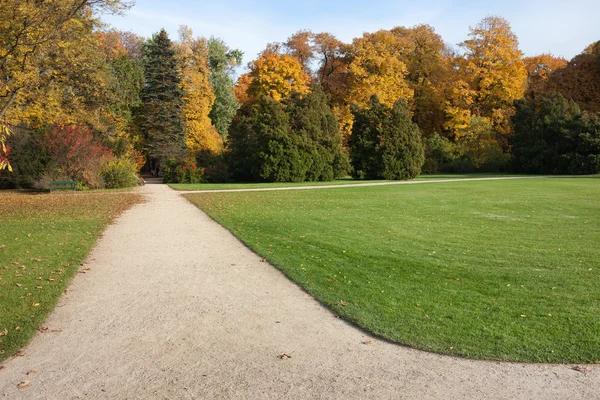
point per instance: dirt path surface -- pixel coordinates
(174, 307)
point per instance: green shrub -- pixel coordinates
(119, 173)
(385, 143)
(181, 171)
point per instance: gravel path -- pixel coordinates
(174, 307)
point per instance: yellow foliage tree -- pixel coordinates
(376, 68)
(31, 32)
(199, 96)
(493, 67)
(277, 75)
(429, 65)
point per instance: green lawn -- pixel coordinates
(43, 240)
(345, 181)
(505, 270)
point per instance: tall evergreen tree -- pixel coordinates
(385, 143)
(221, 59)
(313, 121)
(162, 117)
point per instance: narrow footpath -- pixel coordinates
(174, 307)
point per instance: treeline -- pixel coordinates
(94, 105)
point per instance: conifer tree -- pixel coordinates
(162, 117)
(385, 143)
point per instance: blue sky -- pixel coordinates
(560, 27)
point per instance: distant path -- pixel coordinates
(174, 307)
(411, 182)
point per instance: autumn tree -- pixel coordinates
(385, 143)
(198, 93)
(276, 75)
(300, 47)
(428, 63)
(162, 120)
(580, 79)
(376, 69)
(222, 60)
(490, 77)
(539, 70)
(31, 31)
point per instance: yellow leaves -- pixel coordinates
(199, 94)
(376, 69)
(278, 76)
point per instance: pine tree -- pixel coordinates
(162, 117)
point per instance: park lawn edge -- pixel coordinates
(339, 311)
(70, 270)
(336, 182)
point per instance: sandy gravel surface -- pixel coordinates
(174, 307)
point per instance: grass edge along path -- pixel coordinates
(501, 270)
(43, 241)
(346, 182)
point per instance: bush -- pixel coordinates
(213, 166)
(182, 171)
(439, 153)
(120, 173)
(76, 155)
(385, 143)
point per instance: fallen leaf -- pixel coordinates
(343, 303)
(33, 371)
(523, 316)
(23, 384)
(56, 330)
(285, 356)
(2, 366)
(20, 353)
(368, 342)
(4, 332)
(19, 284)
(43, 329)
(2, 246)
(583, 370)
(35, 304)
(263, 260)
(2, 352)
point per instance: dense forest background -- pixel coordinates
(84, 102)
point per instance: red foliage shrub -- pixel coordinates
(75, 154)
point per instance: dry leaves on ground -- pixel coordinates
(23, 384)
